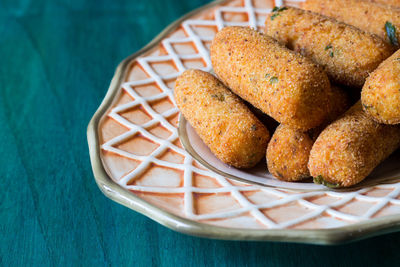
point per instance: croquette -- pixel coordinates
(289, 149)
(221, 119)
(349, 149)
(283, 84)
(382, 20)
(380, 95)
(287, 153)
(346, 53)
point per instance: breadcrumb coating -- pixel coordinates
(380, 95)
(393, 3)
(285, 85)
(366, 15)
(221, 119)
(348, 150)
(346, 53)
(289, 149)
(287, 153)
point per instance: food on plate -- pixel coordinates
(293, 88)
(380, 95)
(287, 153)
(285, 85)
(347, 54)
(349, 149)
(382, 20)
(221, 119)
(289, 149)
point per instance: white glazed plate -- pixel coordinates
(139, 161)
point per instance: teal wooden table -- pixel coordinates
(57, 59)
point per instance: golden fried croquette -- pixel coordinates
(287, 153)
(382, 20)
(283, 84)
(221, 119)
(380, 95)
(289, 149)
(346, 53)
(350, 148)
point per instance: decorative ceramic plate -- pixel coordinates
(139, 161)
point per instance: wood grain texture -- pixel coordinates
(57, 59)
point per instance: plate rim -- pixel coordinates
(112, 190)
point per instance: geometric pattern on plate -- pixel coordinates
(141, 150)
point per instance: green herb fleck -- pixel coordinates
(253, 127)
(273, 80)
(329, 46)
(320, 180)
(267, 75)
(367, 106)
(277, 11)
(391, 33)
(220, 97)
(274, 16)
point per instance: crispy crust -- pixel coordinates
(351, 147)
(289, 149)
(287, 153)
(283, 84)
(368, 16)
(380, 95)
(221, 119)
(346, 53)
(393, 3)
